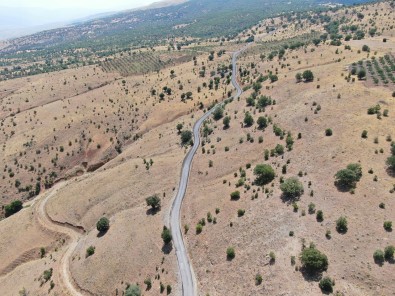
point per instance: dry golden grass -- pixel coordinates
(98, 111)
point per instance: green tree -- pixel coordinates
(103, 224)
(226, 121)
(313, 260)
(361, 74)
(248, 119)
(378, 256)
(341, 224)
(298, 77)
(348, 177)
(218, 113)
(292, 187)
(235, 195)
(389, 252)
(90, 251)
(13, 208)
(153, 201)
(264, 174)
(133, 290)
(166, 235)
(262, 122)
(391, 163)
(308, 75)
(326, 284)
(179, 127)
(186, 137)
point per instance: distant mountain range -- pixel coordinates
(166, 19)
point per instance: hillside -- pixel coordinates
(299, 163)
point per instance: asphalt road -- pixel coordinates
(185, 268)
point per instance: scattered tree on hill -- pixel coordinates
(103, 224)
(248, 120)
(292, 187)
(378, 256)
(361, 74)
(391, 163)
(218, 113)
(389, 252)
(262, 122)
(90, 251)
(179, 127)
(308, 75)
(298, 77)
(226, 121)
(133, 290)
(186, 137)
(313, 260)
(264, 174)
(347, 178)
(341, 225)
(166, 235)
(153, 201)
(326, 284)
(235, 195)
(13, 208)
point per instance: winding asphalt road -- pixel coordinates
(185, 268)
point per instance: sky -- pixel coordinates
(22, 17)
(94, 5)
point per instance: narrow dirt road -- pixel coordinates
(74, 234)
(188, 280)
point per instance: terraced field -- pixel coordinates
(147, 62)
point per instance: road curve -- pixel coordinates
(73, 234)
(188, 281)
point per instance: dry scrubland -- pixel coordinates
(86, 138)
(268, 219)
(54, 131)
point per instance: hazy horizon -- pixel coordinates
(21, 17)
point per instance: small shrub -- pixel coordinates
(320, 216)
(388, 225)
(272, 257)
(378, 256)
(90, 251)
(133, 290)
(326, 284)
(166, 235)
(235, 195)
(311, 208)
(230, 253)
(328, 132)
(389, 252)
(153, 201)
(199, 228)
(341, 225)
(258, 279)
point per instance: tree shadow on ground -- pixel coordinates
(342, 187)
(390, 172)
(167, 248)
(101, 233)
(311, 276)
(152, 211)
(289, 199)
